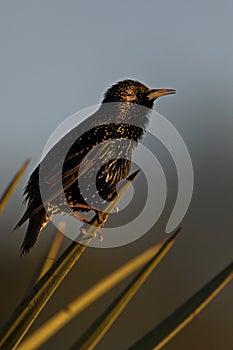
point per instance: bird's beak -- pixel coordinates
(155, 93)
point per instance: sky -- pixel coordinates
(58, 57)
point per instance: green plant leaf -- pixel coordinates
(25, 314)
(66, 314)
(53, 250)
(99, 328)
(12, 185)
(158, 337)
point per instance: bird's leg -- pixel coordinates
(81, 206)
(99, 217)
(102, 217)
(116, 209)
(88, 207)
(80, 217)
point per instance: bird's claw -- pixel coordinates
(101, 217)
(98, 232)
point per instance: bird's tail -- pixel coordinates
(36, 223)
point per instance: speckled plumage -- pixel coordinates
(110, 160)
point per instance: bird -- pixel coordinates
(99, 157)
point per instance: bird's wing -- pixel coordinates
(77, 166)
(74, 162)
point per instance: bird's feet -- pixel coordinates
(101, 217)
(98, 232)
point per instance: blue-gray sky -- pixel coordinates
(58, 57)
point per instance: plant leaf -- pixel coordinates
(158, 337)
(53, 251)
(12, 185)
(25, 314)
(99, 328)
(66, 314)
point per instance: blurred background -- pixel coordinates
(58, 57)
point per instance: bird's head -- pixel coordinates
(133, 91)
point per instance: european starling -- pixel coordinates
(95, 158)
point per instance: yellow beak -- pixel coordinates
(155, 93)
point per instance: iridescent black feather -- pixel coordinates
(107, 139)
